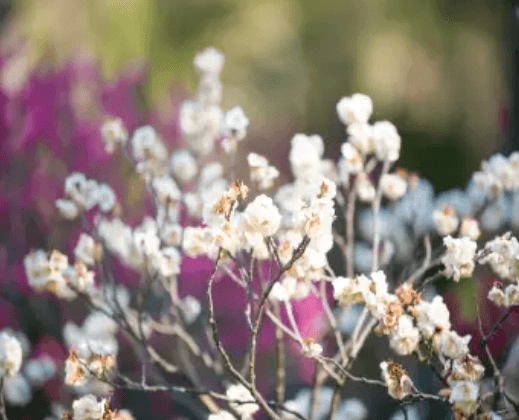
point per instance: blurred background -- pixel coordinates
(441, 70)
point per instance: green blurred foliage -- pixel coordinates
(437, 69)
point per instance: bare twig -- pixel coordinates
(3, 413)
(280, 360)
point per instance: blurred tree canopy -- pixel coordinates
(438, 69)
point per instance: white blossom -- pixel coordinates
(105, 198)
(239, 393)
(452, 345)
(399, 384)
(305, 156)
(117, 236)
(166, 190)
(352, 162)
(82, 191)
(432, 316)
(311, 349)
(445, 220)
(210, 89)
(502, 253)
(386, 141)
(191, 309)
(236, 123)
(497, 296)
(114, 133)
(393, 186)
(355, 109)
(261, 172)
(364, 188)
(209, 61)
(88, 408)
(197, 241)
(361, 137)
(143, 141)
(10, 355)
(262, 216)
(183, 165)
(406, 336)
(459, 257)
(168, 261)
(464, 396)
(85, 249)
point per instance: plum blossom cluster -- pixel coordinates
(83, 194)
(274, 248)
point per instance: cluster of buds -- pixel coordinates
(78, 370)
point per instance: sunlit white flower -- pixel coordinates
(37, 268)
(262, 216)
(355, 109)
(502, 253)
(114, 133)
(432, 316)
(393, 186)
(459, 257)
(445, 220)
(364, 187)
(143, 141)
(209, 61)
(466, 369)
(386, 141)
(406, 336)
(117, 236)
(105, 197)
(82, 191)
(88, 408)
(352, 162)
(210, 89)
(452, 345)
(76, 373)
(197, 241)
(236, 123)
(305, 156)
(261, 172)
(360, 135)
(168, 262)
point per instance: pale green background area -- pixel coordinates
(437, 69)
